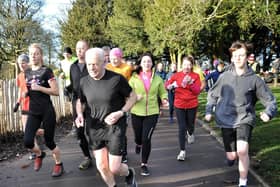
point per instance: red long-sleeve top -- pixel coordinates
(185, 97)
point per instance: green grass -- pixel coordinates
(265, 143)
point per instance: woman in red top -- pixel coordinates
(23, 99)
(187, 88)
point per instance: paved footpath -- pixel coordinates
(204, 166)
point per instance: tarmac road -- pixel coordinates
(204, 166)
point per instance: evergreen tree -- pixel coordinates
(126, 26)
(86, 20)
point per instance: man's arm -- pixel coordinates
(80, 118)
(130, 101)
(113, 117)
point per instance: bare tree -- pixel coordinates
(18, 28)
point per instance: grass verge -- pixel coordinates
(265, 143)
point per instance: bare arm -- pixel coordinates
(79, 107)
(80, 118)
(130, 101)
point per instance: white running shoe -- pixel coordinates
(190, 138)
(181, 156)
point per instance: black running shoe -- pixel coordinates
(145, 170)
(131, 179)
(124, 159)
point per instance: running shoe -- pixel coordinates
(190, 138)
(171, 120)
(58, 170)
(131, 179)
(85, 164)
(38, 161)
(124, 159)
(32, 156)
(145, 170)
(181, 156)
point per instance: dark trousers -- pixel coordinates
(186, 121)
(171, 95)
(81, 136)
(143, 127)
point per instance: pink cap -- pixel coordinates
(251, 57)
(116, 52)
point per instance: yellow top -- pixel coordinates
(198, 70)
(123, 69)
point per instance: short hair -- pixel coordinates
(38, 46)
(106, 48)
(240, 44)
(83, 41)
(95, 52)
(23, 57)
(68, 50)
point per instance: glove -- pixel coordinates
(67, 93)
(16, 107)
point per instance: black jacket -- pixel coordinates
(75, 76)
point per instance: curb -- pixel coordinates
(219, 139)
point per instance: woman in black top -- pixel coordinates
(41, 84)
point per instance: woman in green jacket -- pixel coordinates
(144, 114)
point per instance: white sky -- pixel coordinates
(53, 10)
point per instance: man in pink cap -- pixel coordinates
(117, 65)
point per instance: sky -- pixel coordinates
(53, 10)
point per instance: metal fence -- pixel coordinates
(11, 122)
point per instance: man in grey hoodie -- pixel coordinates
(234, 97)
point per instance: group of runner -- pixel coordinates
(104, 93)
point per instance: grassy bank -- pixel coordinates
(265, 143)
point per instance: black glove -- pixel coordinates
(16, 107)
(68, 93)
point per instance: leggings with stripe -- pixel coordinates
(143, 127)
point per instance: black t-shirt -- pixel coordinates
(39, 101)
(105, 95)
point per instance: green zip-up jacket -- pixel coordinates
(148, 105)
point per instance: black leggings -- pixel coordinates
(143, 127)
(171, 102)
(48, 120)
(82, 139)
(186, 120)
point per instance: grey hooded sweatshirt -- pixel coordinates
(234, 98)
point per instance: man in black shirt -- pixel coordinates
(77, 71)
(109, 97)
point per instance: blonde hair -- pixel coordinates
(36, 45)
